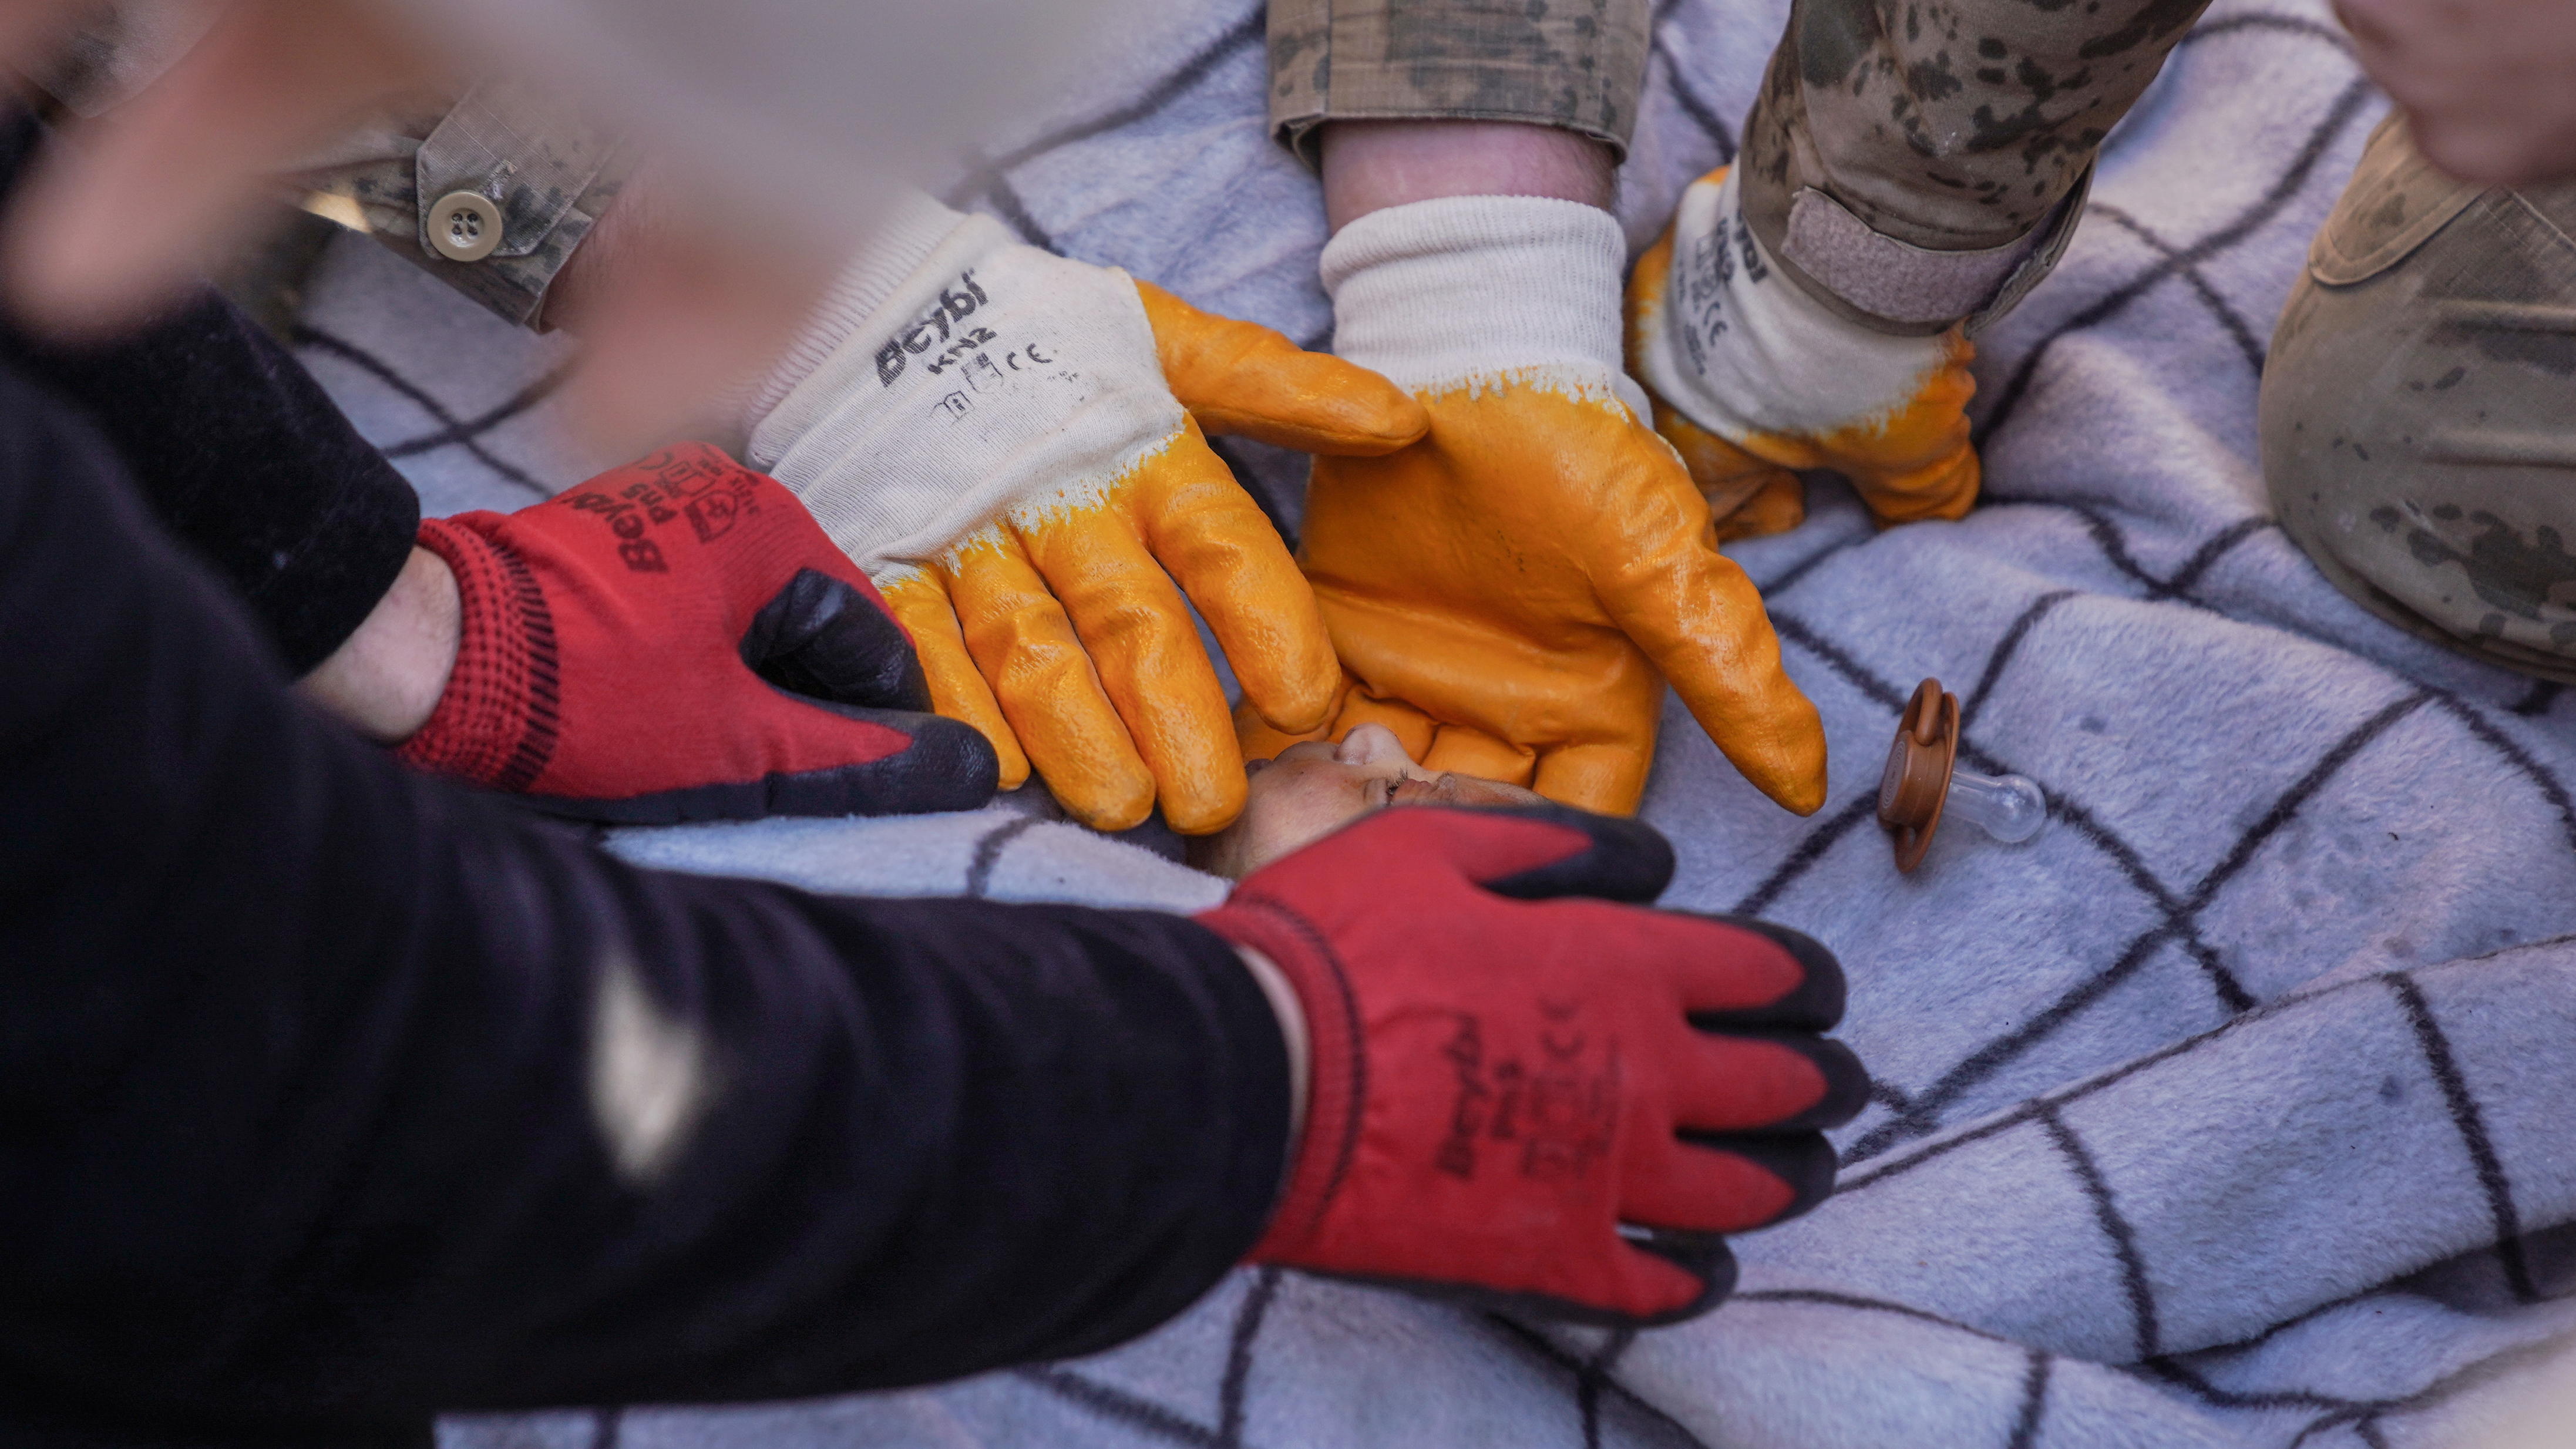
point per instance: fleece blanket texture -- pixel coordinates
(2232, 1110)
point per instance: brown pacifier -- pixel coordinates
(1924, 783)
(1919, 764)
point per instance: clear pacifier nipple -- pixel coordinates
(1923, 781)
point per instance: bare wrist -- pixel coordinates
(1292, 1035)
(1372, 165)
(386, 678)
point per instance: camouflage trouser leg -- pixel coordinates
(1915, 162)
(2419, 408)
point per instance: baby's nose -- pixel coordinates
(1371, 744)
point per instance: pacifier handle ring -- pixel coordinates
(1919, 765)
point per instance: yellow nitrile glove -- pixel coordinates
(1751, 378)
(1010, 444)
(1510, 594)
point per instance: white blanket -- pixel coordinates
(2231, 1110)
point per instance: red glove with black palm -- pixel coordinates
(678, 640)
(1527, 1095)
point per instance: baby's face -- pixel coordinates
(1313, 789)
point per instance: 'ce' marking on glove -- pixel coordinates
(1035, 356)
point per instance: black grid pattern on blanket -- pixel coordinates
(468, 434)
(464, 423)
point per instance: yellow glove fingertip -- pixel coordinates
(1726, 475)
(1793, 775)
(1774, 737)
(1108, 811)
(1370, 418)
(1006, 745)
(1243, 378)
(957, 687)
(1089, 764)
(1259, 739)
(1776, 507)
(1208, 811)
(1920, 462)
(1946, 490)
(1776, 740)
(1606, 778)
(1298, 699)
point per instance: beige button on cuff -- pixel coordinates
(464, 226)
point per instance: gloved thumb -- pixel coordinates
(830, 639)
(1731, 679)
(1525, 852)
(1702, 623)
(832, 643)
(1621, 860)
(1239, 377)
(1669, 1277)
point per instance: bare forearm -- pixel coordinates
(1372, 165)
(386, 678)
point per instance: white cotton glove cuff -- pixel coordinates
(957, 381)
(901, 242)
(1740, 349)
(1469, 290)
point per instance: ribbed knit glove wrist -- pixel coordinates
(676, 640)
(1010, 443)
(1524, 1093)
(1510, 594)
(1753, 378)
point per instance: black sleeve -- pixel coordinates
(239, 453)
(331, 1096)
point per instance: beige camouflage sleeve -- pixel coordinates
(1935, 158)
(490, 196)
(1575, 64)
(490, 192)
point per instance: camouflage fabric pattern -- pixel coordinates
(552, 175)
(1575, 64)
(545, 220)
(1945, 126)
(1952, 126)
(2416, 430)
